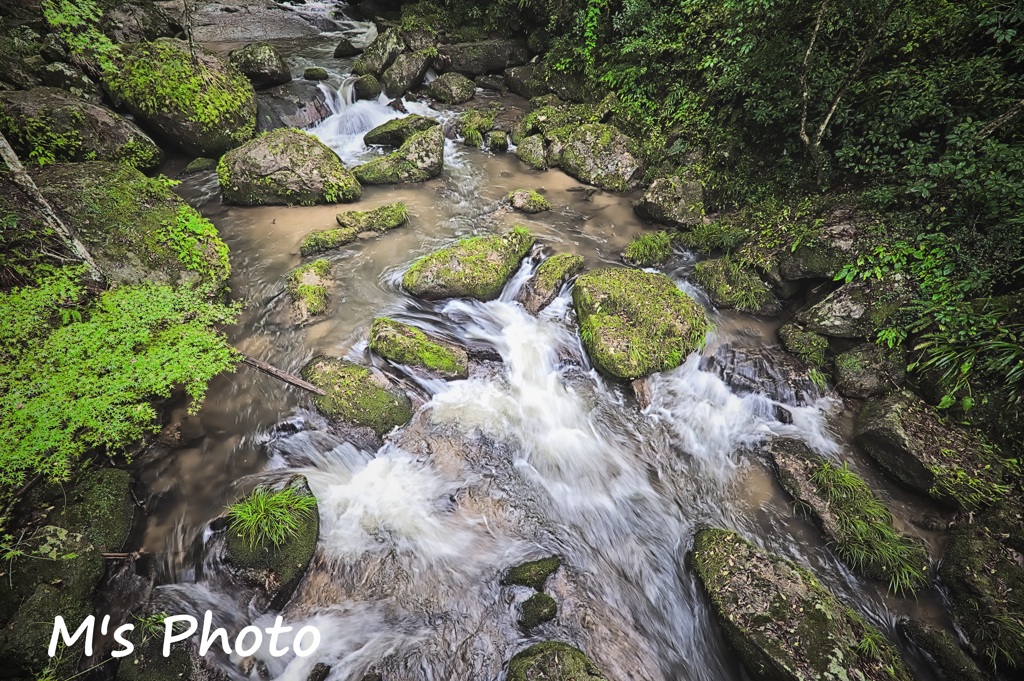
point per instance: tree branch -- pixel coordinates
(1007, 117)
(803, 73)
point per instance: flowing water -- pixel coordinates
(535, 454)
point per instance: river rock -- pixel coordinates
(476, 267)
(261, 64)
(307, 289)
(296, 104)
(367, 87)
(315, 73)
(357, 395)
(485, 56)
(45, 125)
(634, 323)
(732, 286)
(452, 88)
(246, 21)
(536, 610)
(548, 280)
(277, 569)
(531, 152)
(533, 574)
(285, 167)
(807, 345)
(203, 107)
(496, 141)
(353, 223)
(405, 73)
(552, 661)
(905, 436)
(854, 310)
(602, 156)
(346, 49)
(528, 201)
(71, 79)
(135, 227)
(946, 653)
(869, 369)
(135, 22)
(397, 131)
(782, 623)
(100, 506)
(527, 81)
(405, 344)
(672, 201)
(547, 118)
(821, 254)
(420, 158)
(379, 54)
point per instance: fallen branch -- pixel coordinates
(280, 375)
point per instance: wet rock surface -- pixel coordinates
(262, 65)
(602, 156)
(420, 158)
(357, 395)
(545, 284)
(672, 201)
(407, 345)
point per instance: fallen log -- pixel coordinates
(279, 374)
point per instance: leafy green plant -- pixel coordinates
(271, 517)
(193, 237)
(77, 22)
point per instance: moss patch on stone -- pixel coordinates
(405, 344)
(531, 152)
(647, 250)
(552, 661)
(536, 610)
(528, 201)
(731, 285)
(198, 165)
(100, 506)
(940, 646)
(545, 284)
(634, 323)
(353, 223)
(357, 396)
(869, 369)
(397, 131)
(420, 158)
(533, 574)
(807, 345)
(476, 267)
(315, 73)
(307, 288)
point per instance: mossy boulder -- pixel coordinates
(550, 117)
(262, 64)
(854, 310)
(356, 395)
(807, 345)
(811, 259)
(285, 167)
(101, 507)
(548, 280)
(528, 201)
(45, 125)
(346, 49)
(602, 156)
(147, 662)
(635, 323)
(316, 73)
(353, 223)
(380, 54)
(985, 581)
(869, 369)
(552, 661)
(951, 661)
(367, 87)
(307, 289)
(649, 249)
(496, 141)
(531, 152)
(199, 165)
(536, 610)
(527, 81)
(730, 285)
(672, 201)
(850, 515)
(398, 131)
(533, 574)
(780, 620)
(405, 344)
(452, 88)
(202, 107)
(484, 56)
(476, 267)
(909, 440)
(136, 228)
(417, 160)
(277, 569)
(406, 73)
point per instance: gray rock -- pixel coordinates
(602, 156)
(397, 131)
(298, 104)
(346, 49)
(135, 22)
(380, 54)
(527, 81)
(262, 65)
(531, 152)
(869, 369)
(549, 279)
(672, 201)
(452, 88)
(367, 87)
(245, 21)
(419, 158)
(72, 79)
(854, 310)
(405, 73)
(485, 56)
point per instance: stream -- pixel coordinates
(535, 454)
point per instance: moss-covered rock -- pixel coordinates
(533, 574)
(952, 662)
(648, 250)
(277, 569)
(147, 663)
(135, 21)
(100, 506)
(356, 395)
(203, 107)
(552, 661)
(531, 152)
(405, 344)
(380, 54)
(528, 201)
(367, 87)
(549, 117)
(672, 201)
(545, 284)
(419, 159)
(406, 73)
(782, 622)
(731, 285)
(635, 323)
(452, 88)
(261, 64)
(316, 73)
(45, 125)
(136, 228)
(199, 165)
(850, 515)
(282, 167)
(854, 310)
(496, 141)
(602, 156)
(869, 369)
(807, 345)
(484, 56)
(307, 288)
(527, 81)
(398, 131)
(352, 224)
(536, 610)
(476, 267)
(907, 438)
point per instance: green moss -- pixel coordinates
(531, 152)
(554, 271)
(315, 73)
(420, 158)
(536, 610)
(940, 646)
(198, 165)
(327, 239)
(552, 661)
(533, 574)
(404, 344)
(731, 285)
(356, 396)
(307, 287)
(646, 250)
(352, 224)
(197, 244)
(398, 131)
(475, 123)
(807, 345)
(528, 201)
(547, 118)
(100, 506)
(720, 235)
(497, 141)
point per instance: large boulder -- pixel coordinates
(527, 81)
(70, 78)
(548, 280)
(397, 131)
(807, 345)
(850, 515)
(485, 56)
(730, 285)
(672, 201)
(203, 106)
(407, 345)
(285, 166)
(602, 156)
(420, 158)
(367, 87)
(296, 104)
(823, 252)
(357, 396)
(245, 21)
(907, 438)
(353, 223)
(854, 310)
(380, 54)
(100, 506)
(476, 267)
(135, 21)
(261, 64)
(530, 151)
(528, 201)
(869, 369)
(452, 88)
(134, 226)
(634, 323)
(45, 125)
(783, 624)
(405, 73)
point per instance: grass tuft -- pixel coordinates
(270, 517)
